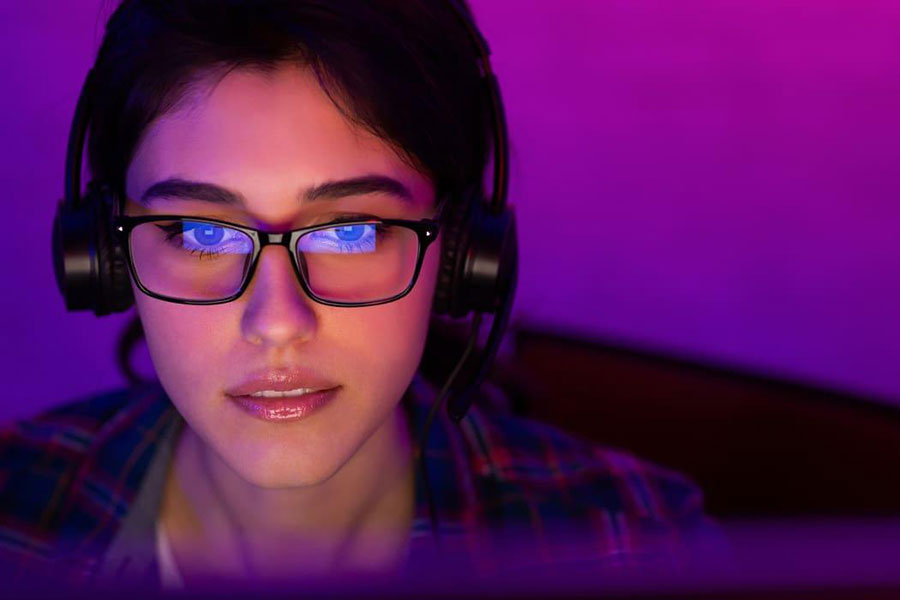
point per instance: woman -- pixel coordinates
(281, 441)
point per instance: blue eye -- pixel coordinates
(208, 234)
(359, 238)
(206, 239)
(350, 233)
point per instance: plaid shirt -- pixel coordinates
(508, 492)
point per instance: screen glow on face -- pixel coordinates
(268, 140)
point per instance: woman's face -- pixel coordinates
(267, 139)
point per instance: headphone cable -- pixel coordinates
(420, 465)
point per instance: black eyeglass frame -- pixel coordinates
(426, 231)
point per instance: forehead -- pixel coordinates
(268, 137)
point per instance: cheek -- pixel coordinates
(385, 342)
(185, 341)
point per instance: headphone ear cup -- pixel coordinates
(90, 265)
(490, 264)
(74, 257)
(479, 261)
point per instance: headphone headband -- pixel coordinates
(75, 146)
(497, 201)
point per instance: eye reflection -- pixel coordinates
(209, 234)
(358, 238)
(207, 239)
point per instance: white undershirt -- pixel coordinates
(169, 575)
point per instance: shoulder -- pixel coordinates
(564, 474)
(63, 435)
(52, 442)
(64, 465)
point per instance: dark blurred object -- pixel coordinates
(757, 446)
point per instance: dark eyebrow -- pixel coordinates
(330, 190)
(357, 186)
(190, 190)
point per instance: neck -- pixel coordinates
(358, 519)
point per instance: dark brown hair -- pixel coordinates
(403, 69)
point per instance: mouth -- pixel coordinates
(282, 406)
(283, 394)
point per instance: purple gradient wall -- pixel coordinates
(716, 179)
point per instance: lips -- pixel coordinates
(280, 380)
(283, 394)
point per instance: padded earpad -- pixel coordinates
(479, 260)
(74, 256)
(454, 241)
(490, 262)
(91, 268)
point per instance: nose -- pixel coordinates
(278, 312)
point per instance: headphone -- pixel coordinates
(479, 255)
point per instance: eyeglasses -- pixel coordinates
(193, 260)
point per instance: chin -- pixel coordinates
(277, 480)
(283, 474)
(273, 467)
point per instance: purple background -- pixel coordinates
(716, 179)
